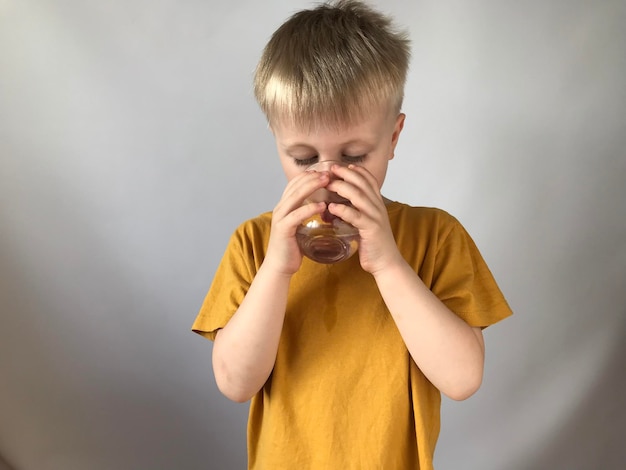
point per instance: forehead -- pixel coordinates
(320, 104)
(366, 129)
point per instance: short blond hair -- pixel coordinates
(332, 65)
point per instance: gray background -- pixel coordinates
(131, 147)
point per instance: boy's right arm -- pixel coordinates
(244, 351)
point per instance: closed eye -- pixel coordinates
(353, 159)
(345, 158)
(305, 161)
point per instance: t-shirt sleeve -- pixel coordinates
(463, 281)
(230, 284)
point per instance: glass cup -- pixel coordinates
(326, 238)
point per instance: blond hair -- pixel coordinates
(332, 65)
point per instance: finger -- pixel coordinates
(354, 171)
(289, 223)
(347, 213)
(358, 191)
(304, 181)
(364, 172)
(298, 189)
(359, 177)
(368, 221)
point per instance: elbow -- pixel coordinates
(239, 391)
(238, 380)
(238, 396)
(462, 393)
(465, 388)
(469, 376)
(230, 389)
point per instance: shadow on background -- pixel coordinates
(585, 436)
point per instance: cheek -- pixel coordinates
(381, 178)
(290, 171)
(379, 172)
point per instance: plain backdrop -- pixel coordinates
(131, 147)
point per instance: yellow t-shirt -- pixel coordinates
(344, 392)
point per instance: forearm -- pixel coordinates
(245, 349)
(447, 350)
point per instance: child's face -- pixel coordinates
(369, 143)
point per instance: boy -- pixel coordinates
(345, 363)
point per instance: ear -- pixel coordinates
(397, 128)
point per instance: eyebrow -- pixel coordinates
(292, 147)
(303, 146)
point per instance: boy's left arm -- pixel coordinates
(447, 350)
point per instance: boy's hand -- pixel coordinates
(283, 253)
(377, 248)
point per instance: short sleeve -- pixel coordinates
(463, 281)
(230, 284)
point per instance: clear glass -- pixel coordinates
(326, 238)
